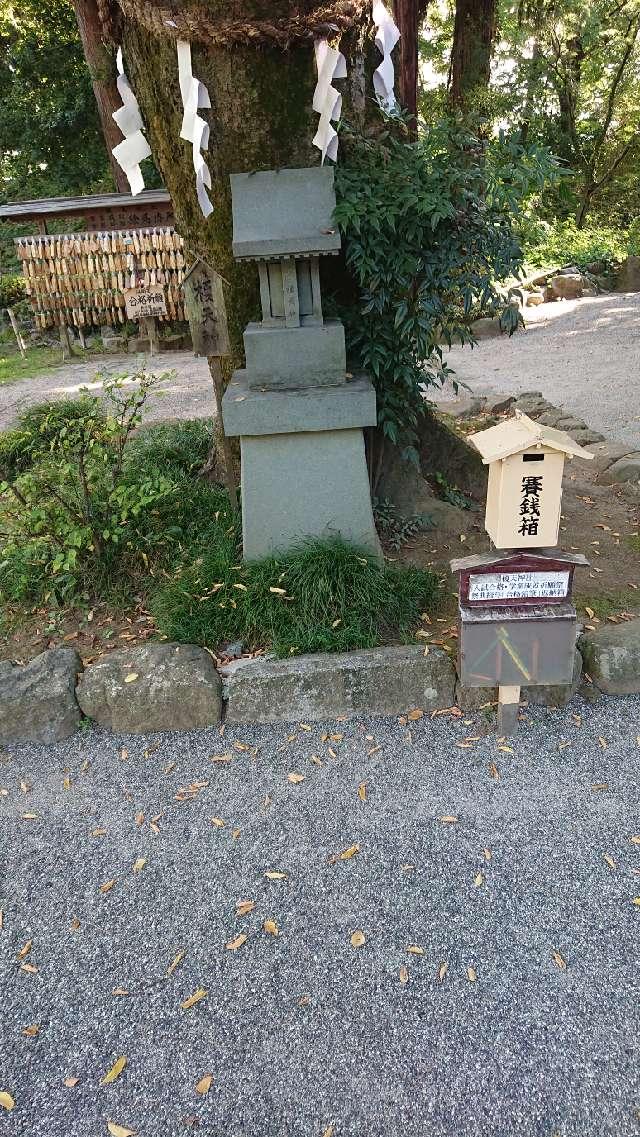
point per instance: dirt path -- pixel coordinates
(186, 392)
(584, 355)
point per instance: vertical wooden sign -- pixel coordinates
(207, 315)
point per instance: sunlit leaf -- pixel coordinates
(6, 1101)
(119, 1130)
(271, 927)
(115, 1071)
(139, 864)
(233, 945)
(204, 1085)
(195, 998)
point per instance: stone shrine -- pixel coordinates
(299, 416)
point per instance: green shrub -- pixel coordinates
(13, 288)
(322, 596)
(182, 446)
(84, 507)
(564, 244)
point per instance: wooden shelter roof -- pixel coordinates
(70, 206)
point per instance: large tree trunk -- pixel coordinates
(261, 117)
(101, 68)
(473, 34)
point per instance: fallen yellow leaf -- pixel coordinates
(635, 840)
(220, 757)
(472, 974)
(119, 991)
(478, 879)
(636, 900)
(603, 742)
(295, 778)
(404, 974)
(108, 885)
(415, 949)
(139, 864)
(25, 950)
(487, 854)
(195, 998)
(357, 939)
(271, 927)
(610, 861)
(115, 1071)
(362, 791)
(74, 925)
(506, 749)
(218, 822)
(119, 1130)
(329, 1131)
(31, 1031)
(415, 715)
(204, 1085)
(448, 820)
(493, 770)
(273, 875)
(6, 1101)
(350, 852)
(244, 907)
(177, 959)
(559, 961)
(131, 677)
(29, 967)
(590, 612)
(279, 591)
(233, 945)
(442, 971)
(70, 1082)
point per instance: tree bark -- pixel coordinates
(261, 118)
(473, 35)
(103, 81)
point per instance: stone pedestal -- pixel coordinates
(304, 471)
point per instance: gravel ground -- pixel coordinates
(304, 1032)
(584, 355)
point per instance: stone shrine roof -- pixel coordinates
(284, 213)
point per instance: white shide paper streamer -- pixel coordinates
(194, 129)
(131, 152)
(387, 36)
(327, 101)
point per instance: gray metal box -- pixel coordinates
(280, 358)
(280, 213)
(528, 646)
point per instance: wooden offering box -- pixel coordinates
(524, 494)
(517, 623)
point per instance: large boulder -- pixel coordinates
(152, 687)
(628, 275)
(626, 469)
(380, 681)
(37, 701)
(567, 285)
(611, 657)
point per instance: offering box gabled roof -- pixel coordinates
(521, 433)
(284, 213)
(502, 558)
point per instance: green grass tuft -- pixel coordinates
(322, 596)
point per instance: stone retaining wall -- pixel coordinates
(164, 687)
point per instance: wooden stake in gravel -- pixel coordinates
(215, 368)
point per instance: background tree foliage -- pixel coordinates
(50, 139)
